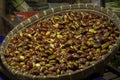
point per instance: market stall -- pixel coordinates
(77, 51)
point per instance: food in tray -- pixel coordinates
(61, 43)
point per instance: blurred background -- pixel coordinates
(12, 12)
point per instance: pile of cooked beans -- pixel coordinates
(62, 43)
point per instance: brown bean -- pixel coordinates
(82, 60)
(61, 43)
